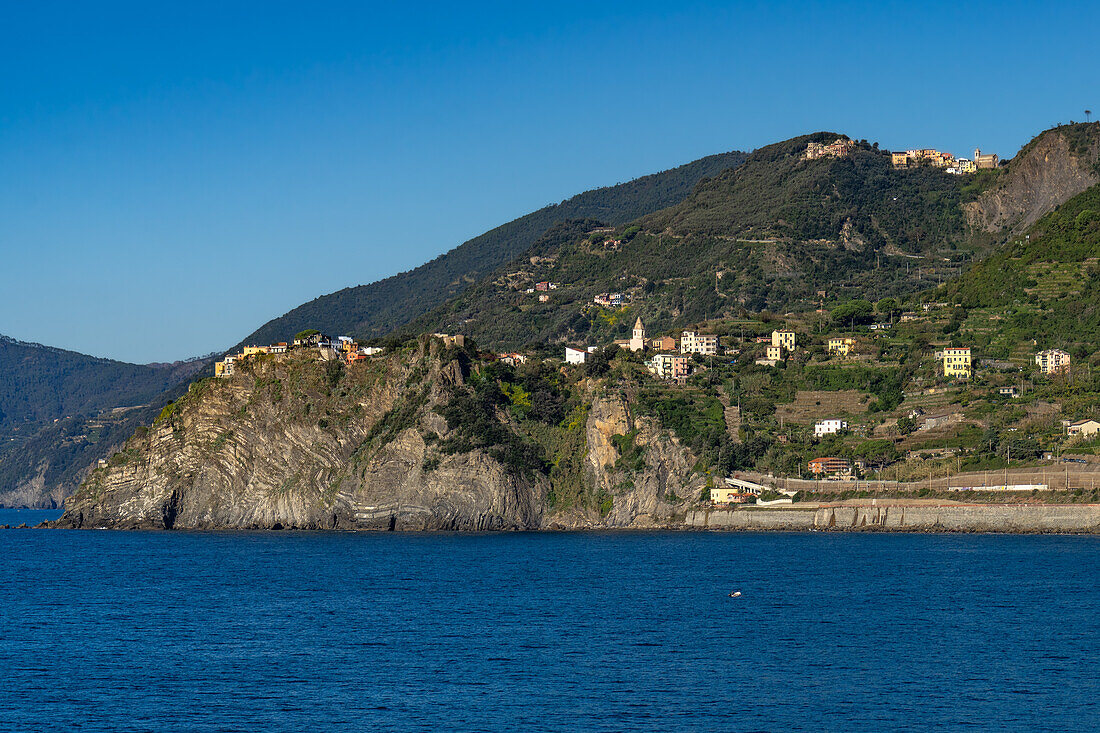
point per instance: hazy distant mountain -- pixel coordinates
(60, 410)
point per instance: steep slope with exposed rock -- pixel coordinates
(1051, 169)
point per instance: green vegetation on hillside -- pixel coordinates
(1047, 280)
(770, 234)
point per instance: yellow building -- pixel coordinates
(956, 362)
(775, 353)
(841, 346)
(225, 368)
(784, 339)
(900, 160)
(729, 495)
(254, 350)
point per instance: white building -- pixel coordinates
(575, 356)
(668, 366)
(829, 427)
(693, 342)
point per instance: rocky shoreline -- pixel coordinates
(896, 517)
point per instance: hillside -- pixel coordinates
(772, 235)
(380, 307)
(1045, 281)
(767, 235)
(60, 410)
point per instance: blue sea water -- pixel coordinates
(179, 631)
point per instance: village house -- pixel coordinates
(575, 356)
(829, 465)
(544, 298)
(609, 300)
(1083, 428)
(729, 495)
(663, 343)
(544, 285)
(841, 346)
(956, 362)
(669, 366)
(458, 339)
(1053, 361)
(1008, 392)
(839, 148)
(254, 351)
(774, 353)
(315, 339)
(784, 339)
(225, 367)
(829, 427)
(962, 166)
(371, 350)
(693, 342)
(513, 358)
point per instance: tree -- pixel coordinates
(887, 307)
(876, 452)
(852, 312)
(906, 424)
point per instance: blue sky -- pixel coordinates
(174, 175)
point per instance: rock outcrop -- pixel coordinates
(1053, 168)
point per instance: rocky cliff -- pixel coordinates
(299, 441)
(1051, 169)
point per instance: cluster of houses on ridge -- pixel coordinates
(843, 147)
(342, 347)
(956, 361)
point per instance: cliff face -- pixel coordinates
(293, 442)
(1053, 168)
(296, 442)
(658, 489)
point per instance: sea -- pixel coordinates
(585, 631)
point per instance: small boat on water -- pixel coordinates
(735, 594)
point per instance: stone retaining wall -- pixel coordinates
(927, 518)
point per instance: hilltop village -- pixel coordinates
(843, 147)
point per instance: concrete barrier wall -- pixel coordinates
(930, 518)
